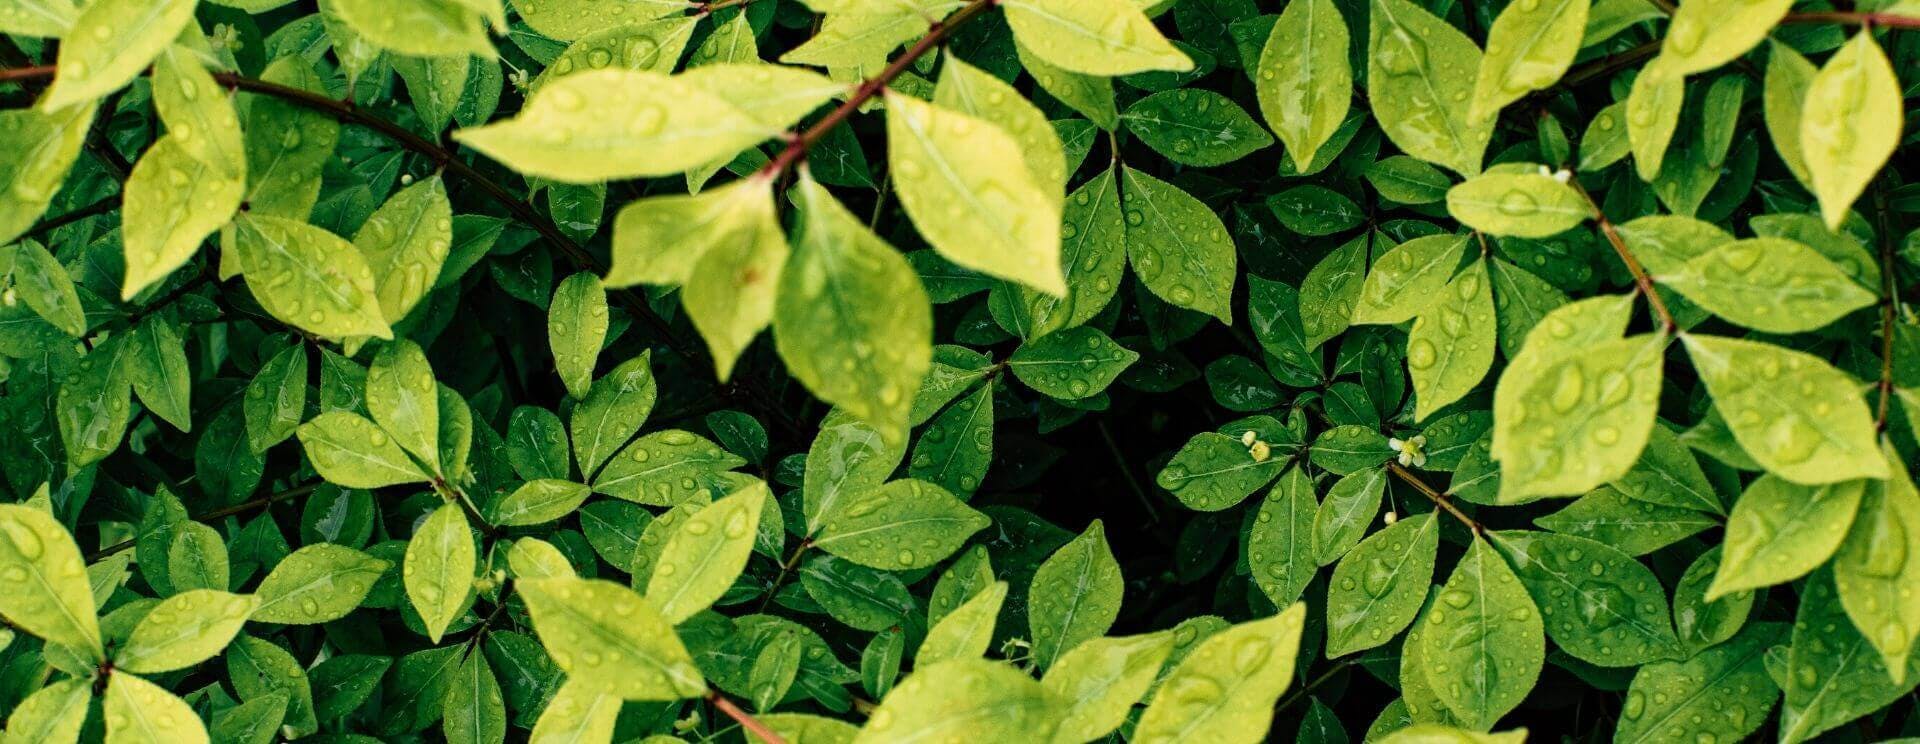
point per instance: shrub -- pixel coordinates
(1190, 370)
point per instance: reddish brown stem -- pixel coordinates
(1884, 20)
(1439, 499)
(797, 146)
(745, 719)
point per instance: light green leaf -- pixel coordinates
(667, 468)
(39, 280)
(1075, 595)
(567, 20)
(39, 148)
(110, 44)
(173, 202)
(965, 632)
(1341, 520)
(1377, 589)
(435, 84)
(404, 401)
(45, 18)
(440, 565)
(1780, 530)
(1333, 290)
(662, 239)
(1195, 127)
(968, 699)
(639, 124)
(156, 362)
(533, 558)
(1529, 47)
(1451, 345)
(1701, 624)
(141, 712)
(1243, 669)
(1484, 643)
(1783, 99)
(1101, 679)
(1794, 413)
(1667, 474)
(183, 630)
(848, 457)
(1835, 675)
(1570, 417)
(903, 525)
(576, 329)
(351, 451)
(608, 638)
(1406, 281)
(474, 710)
(953, 176)
(1606, 140)
(1280, 542)
(277, 398)
(1854, 112)
(730, 293)
(287, 145)
(1417, 85)
(1096, 37)
(1071, 364)
(1304, 80)
(1874, 569)
(1408, 180)
(578, 712)
(52, 715)
(1093, 251)
(420, 28)
(650, 45)
(1635, 527)
(50, 597)
(308, 277)
(1723, 693)
(538, 502)
(976, 92)
(953, 452)
(1709, 33)
(1178, 247)
(1213, 472)
(405, 242)
(705, 554)
(1774, 285)
(1090, 95)
(198, 113)
(316, 584)
(1525, 205)
(92, 407)
(1601, 606)
(1653, 112)
(612, 412)
(259, 668)
(851, 319)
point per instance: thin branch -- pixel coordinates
(742, 717)
(937, 34)
(105, 205)
(1888, 296)
(1640, 278)
(1884, 20)
(1439, 499)
(223, 513)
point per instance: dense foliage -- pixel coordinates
(1138, 370)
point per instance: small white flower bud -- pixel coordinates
(1247, 438)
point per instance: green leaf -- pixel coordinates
(1783, 98)
(139, 712)
(848, 457)
(957, 446)
(260, 668)
(1096, 37)
(608, 638)
(198, 112)
(423, 28)
(1178, 246)
(50, 597)
(538, 502)
(1451, 345)
(1854, 112)
(92, 406)
(1341, 520)
(1601, 606)
(578, 712)
(1780, 530)
(1667, 474)
(474, 710)
(1525, 204)
(287, 144)
(439, 568)
(110, 44)
(1709, 33)
(1635, 527)
(976, 92)
(53, 714)
(1071, 364)
(1376, 590)
(404, 401)
(1242, 671)
(156, 362)
(39, 148)
(1350, 448)
(1304, 80)
(183, 630)
(705, 554)
(533, 558)
(1873, 568)
(1417, 85)
(1407, 280)
(1195, 127)
(1075, 595)
(1774, 285)
(1093, 251)
(1699, 623)
(1280, 542)
(1408, 180)
(1213, 472)
(173, 201)
(1101, 679)
(1528, 48)
(316, 584)
(46, 18)
(1090, 95)
(405, 243)
(965, 632)
(1653, 112)
(1606, 140)
(1484, 643)
(308, 277)
(973, 699)
(1333, 290)
(1721, 693)
(640, 124)
(1835, 675)
(612, 412)
(351, 451)
(1574, 410)
(905, 524)
(1794, 413)
(576, 329)
(954, 176)
(653, 45)
(436, 85)
(851, 319)
(45, 285)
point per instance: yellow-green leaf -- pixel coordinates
(174, 200)
(34, 157)
(1709, 33)
(1653, 112)
(1523, 205)
(1450, 347)
(141, 712)
(964, 699)
(110, 44)
(439, 568)
(1243, 668)
(976, 92)
(705, 554)
(405, 242)
(1408, 279)
(351, 451)
(48, 595)
(45, 18)
(1096, 37)
(183, 630)
(1783, 97)
(1101, 679)
(1774, 285)
(1304, 80)
(607, 638)
(308, 277)
(420, 28)
(1876, 570)
(1178, 247)
(1853, 112)
(1419, 88)
(567, 20)
(1792, 411)
(1569, 417)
